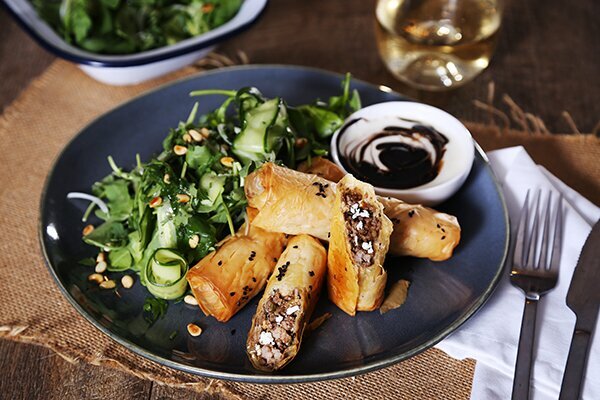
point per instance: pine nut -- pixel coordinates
(101, 267)
(205, 133)
(100, 257)
(167, 178)
(227, 161)
(88, 229)
(194, 329)
(96, 278)
(191, 300)
(155, 202)
(179, 150)
(193, 241)
(187, 138)
(109, 284)
(183, 198)
(127, 281)
(197, 136)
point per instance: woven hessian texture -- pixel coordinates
(34, 129)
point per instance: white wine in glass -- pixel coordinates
(437, 44)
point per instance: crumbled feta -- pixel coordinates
(292, 310)
(278, 318)
(265, 338)
(368, 247)
(359, 226)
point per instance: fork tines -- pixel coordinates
(533, 251)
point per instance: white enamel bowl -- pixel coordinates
(457, 159)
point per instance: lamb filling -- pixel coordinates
(362, 225)
(278, 328)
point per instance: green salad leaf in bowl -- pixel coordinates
(132, 26)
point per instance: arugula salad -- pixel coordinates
(166, 214)
(131, 26)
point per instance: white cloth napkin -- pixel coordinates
(491, 337)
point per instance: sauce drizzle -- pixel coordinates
(396, 157)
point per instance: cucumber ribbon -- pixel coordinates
(165, 274)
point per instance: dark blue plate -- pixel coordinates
(442, 295)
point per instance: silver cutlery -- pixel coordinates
(583, 298)
(535, 272)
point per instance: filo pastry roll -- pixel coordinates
(287, 304)
(360, 237)
(294, 202)
(289, 201)
(226, 279)
(418, 231)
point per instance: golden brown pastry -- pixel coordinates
(290, 201)
(287, 304)
(322, 167)
(360, 236)
(421, 231)
(287, 201)
(418, 231)
(226, 279)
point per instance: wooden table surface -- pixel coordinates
(547, 60)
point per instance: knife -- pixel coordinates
(584, 299)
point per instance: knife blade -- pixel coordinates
(583, 298)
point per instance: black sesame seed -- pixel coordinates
(438, 225)
(253, 279)
(311, 273)
(295, 247)
(411, 213)
(443, 237)
(232, 294)
(232, 332)
(220, 263)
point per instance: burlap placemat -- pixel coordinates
(32, 132)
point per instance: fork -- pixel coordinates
(535, 272)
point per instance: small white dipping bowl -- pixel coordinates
(456, 161)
